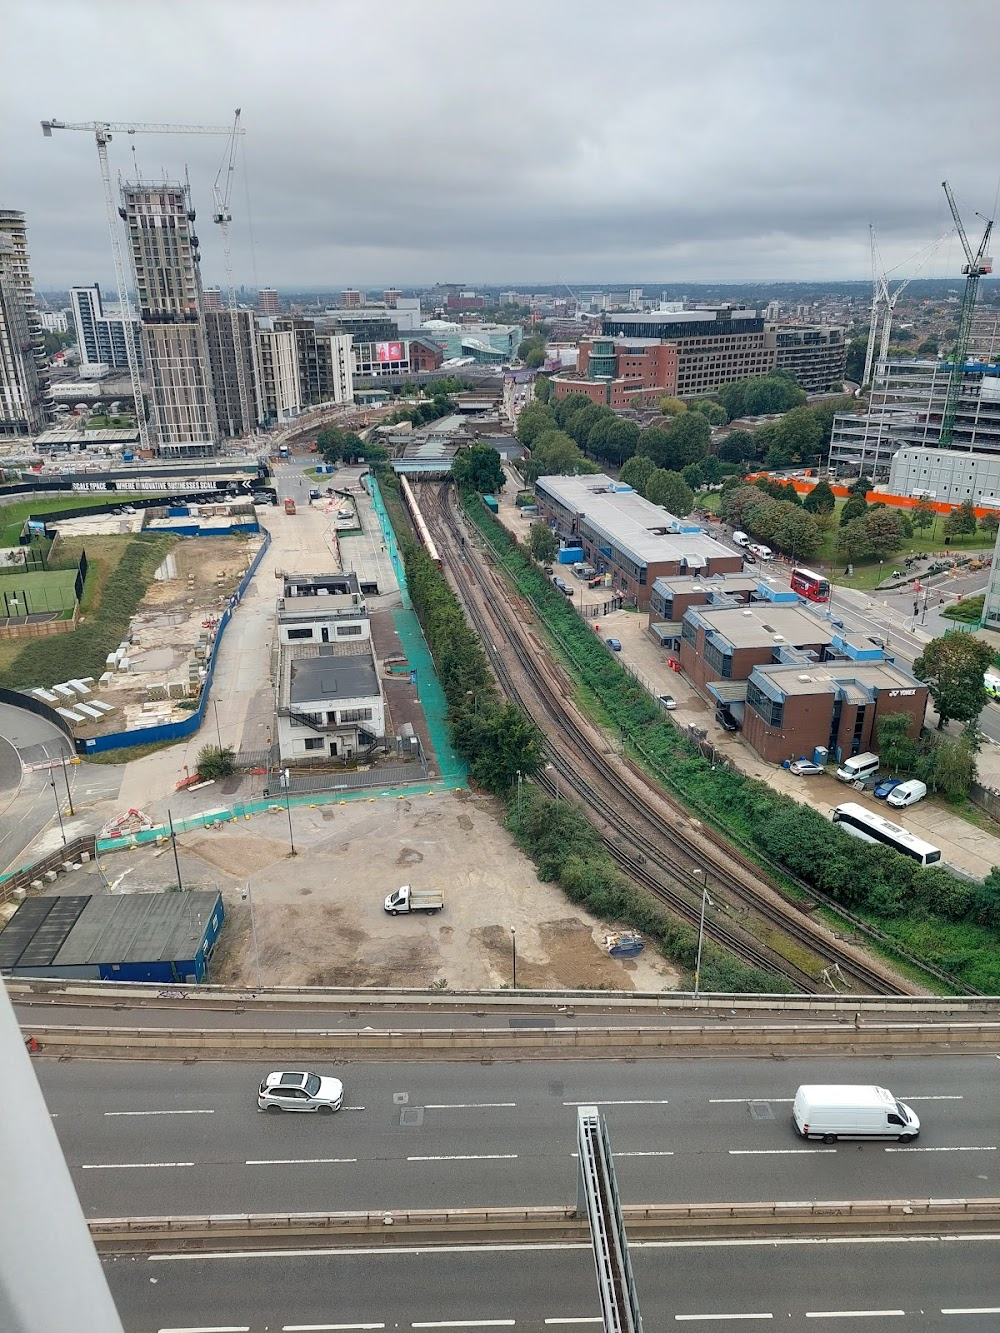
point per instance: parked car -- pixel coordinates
(614, 644)
(726, 720)
(908, 793)
(300, 1091)
(887, 785)
(667, 701)
(804, 768)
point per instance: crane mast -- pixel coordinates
(976, 266)
(103, 130)
(224, 217)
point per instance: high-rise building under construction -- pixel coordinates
(166, 268)
(24, 374)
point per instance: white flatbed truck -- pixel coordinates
(406, 899)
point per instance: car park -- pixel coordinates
(300, 1090)
(804, 768)
(666, 701)
(614, 644)
(884, 787)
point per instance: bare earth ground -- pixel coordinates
(319, 915)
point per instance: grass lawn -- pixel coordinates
(12, 516)
(47, 590)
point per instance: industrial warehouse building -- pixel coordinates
(625, 536)
(159, 937)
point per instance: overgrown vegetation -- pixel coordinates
(109, 601)
(946, 920)
(216, 761)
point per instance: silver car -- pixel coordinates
(300, 1091)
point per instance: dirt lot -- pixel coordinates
(319, 915)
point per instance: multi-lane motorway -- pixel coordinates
(905, 1285)
(152, 1139)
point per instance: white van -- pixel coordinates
(740, 539)
(762, 552)
(861, 766)
(907, 793)
(832, 1111)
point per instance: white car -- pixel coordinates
(804, 768)
(300, 1091)
(667, 701)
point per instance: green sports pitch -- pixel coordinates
(26, 594)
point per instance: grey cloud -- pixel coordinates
(732, 139)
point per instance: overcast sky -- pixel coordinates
(398, 142)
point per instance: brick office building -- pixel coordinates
(726, 643)
(621, 372)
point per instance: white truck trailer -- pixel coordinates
(832, 1111)
(405, 899)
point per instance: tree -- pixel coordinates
(216, 761)
(506, 743)
(529, 345)
(739, 446)
(688, 439)
(989, 523)
(672, 407)
(797, 533)
(554, 454)
(535, 358)
(961, 520)
(612, 439)
(579, 423)
(884, 531)
(715, 413)
(694, 475)
(820, 500)
(986, 900)
(654, 443)
(952, 667)
(543, 388)
(670, 490)
(954, 769)
(929, 347)
(853, 542)
(636, 471)
(736, 503)
(542, 543)
(712, 470)
(533, 421)
(478, 468)
(762, 518)
(923, 514)
(896, 747)
(855, 507)
(800, 432)
(567, 408)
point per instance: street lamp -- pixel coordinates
(52, 784)
(69, 798)
(705, 900)
(551, 768)
(248, 897)
(288, 811)
(519, 781)
(513, 958)
(218, 728)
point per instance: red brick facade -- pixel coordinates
(642, 374)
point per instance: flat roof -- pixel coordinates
(763, 625)
(709, 583)
(679, 316)
(858, 680)
(624, 518)
(331, 676)
(78, 929)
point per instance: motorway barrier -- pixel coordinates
(643, 1222)
(232, 1043)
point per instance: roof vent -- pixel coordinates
(805, 678)
(769, 628)
(779, 638)
(748, 613)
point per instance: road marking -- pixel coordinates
(588, 1319)
(597, 1101)
(465, 1157)
(973, 1309)
(128, 1166)
(642, 1154)
(949, 1097)
(321, 1328)
(159, 1113)
(296, 1161)
(465, 1106)
(725, 1101)
(467, 1323)
(851, 1314)
(773, 1152)
(215, 1328)
(357, 1108)
(680, 1317)
(974, 1149)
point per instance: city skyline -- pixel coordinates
(728, 143)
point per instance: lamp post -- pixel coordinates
(288, 812)
(519, 780)
(703, 876)
(513, 958)
(69, 798)
(248, 897)
(218, 728)
(52, 784)
(551, 768)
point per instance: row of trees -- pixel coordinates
(782, 523)
(335, 445)
(801, 436)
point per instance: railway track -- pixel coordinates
(626, 816)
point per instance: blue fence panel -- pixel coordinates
(176, 731)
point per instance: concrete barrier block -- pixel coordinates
(50, 877)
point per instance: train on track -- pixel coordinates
(419, 522)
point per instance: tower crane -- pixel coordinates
(883, 299)
(976, 266)
(223, 217)
(103, 130)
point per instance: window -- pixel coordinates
(314, 742)
(344, 630)
(356, 715)
(300, 633)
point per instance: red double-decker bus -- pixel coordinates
(810, 585)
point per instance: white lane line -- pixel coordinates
(991, 1148)
(642, 1154)
(467, 1323)
(357, 1108)
(464, 1157)
(726, 1101)
(599, 1101)
(322, 1328)
(852, 1314)
(465, 1106)
(773, 1152)
(681, 1317)
(128, 1166)
(296, 1161)
(949, 1097)
(159, 1113)
(973, 1309)
(588, 1319)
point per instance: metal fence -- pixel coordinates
(310, 784)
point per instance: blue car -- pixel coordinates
(886, 786)
(614, 644)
